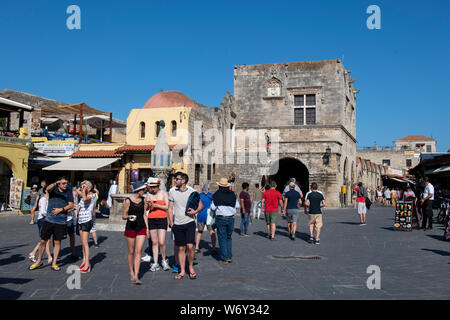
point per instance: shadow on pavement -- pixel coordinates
(352, 223)
(7, 294)
(440, 252)
(6, 249)
(99, 257)
(14, 280)
(13, 259)
(433, 236)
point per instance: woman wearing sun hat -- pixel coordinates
(158, 203)
(136, 229)
(224, 205)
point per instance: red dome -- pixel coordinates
(167, 99)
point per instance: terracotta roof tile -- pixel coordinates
(145, 148)
(96, 154)
(414, 138)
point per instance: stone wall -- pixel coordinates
(397, 157)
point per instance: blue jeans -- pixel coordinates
(225, 226)
(244, 222)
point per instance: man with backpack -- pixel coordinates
(361, 194)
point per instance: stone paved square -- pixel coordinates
(413, 265)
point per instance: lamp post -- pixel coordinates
(326, 156)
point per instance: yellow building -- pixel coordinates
(14, 151)
(143, 126)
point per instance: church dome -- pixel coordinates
(167, 99)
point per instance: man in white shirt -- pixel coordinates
(182, 223)
(225, 204)
(427, 204)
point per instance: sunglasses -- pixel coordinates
(64, 183)
(178, 179)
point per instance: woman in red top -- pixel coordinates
(158, 204)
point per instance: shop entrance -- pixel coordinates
(5, 176)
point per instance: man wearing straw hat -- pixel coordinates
(225, 204)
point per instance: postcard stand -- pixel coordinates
(403, 216)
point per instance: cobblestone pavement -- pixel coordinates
(414, 265)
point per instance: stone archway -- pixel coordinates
(291, 168)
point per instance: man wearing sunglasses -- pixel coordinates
(182, 222)
(60, 203)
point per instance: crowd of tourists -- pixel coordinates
(151, 210)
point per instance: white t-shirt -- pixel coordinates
(287, 188)
(86, 210)
(180, 199)
(429, 189)
(43, 203)
(387, 194)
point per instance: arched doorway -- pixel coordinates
(291, 168)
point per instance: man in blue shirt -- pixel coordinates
(292, 202)
(206, 198)
(60, 203)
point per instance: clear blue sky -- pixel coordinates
(128, 51)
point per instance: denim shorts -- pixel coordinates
(292, 215)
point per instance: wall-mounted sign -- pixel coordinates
(56, 149)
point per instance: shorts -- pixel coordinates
(134, 233)
(201, 227)
(40, 223)
(157, 223)
(58, 231)
(292, 215)
(184, 233)
(362, 209)
(70, 227)
(271, 217)
(87, 226)
(316, 219)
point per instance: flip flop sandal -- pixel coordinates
(56, 268)
(179, 277)
(35, 266)
(133, 279)
(197, 250)
(138, 282)
(192, 276)
(32, 257)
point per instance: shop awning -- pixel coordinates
(83, 164)
(46, 160)
(438, 170)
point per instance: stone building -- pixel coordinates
(308, 110)
(404, 155)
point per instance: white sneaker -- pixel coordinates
(165, 265)
(155, 267)
(31, 222)
(147, 258)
